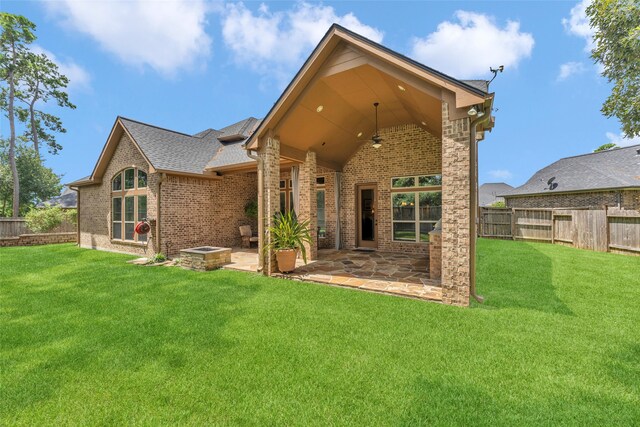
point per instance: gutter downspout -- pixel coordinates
(260, 206)
(473, 172)
(163, 177)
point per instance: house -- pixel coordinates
(607, 178)
(67, 200)
(313, 152)
(488, 193)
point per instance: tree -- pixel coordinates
(41, 81)
(605, 147)
(617, 48)
(38, 182)
(17, 33)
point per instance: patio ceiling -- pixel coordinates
(346, 100)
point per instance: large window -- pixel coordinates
(286, 195)
(320, 204)
(416, 203)
(128, 204)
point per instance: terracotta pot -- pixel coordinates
(286, 260)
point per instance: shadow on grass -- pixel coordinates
(513, 275)
(91, 313)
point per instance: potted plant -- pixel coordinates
(288, 236)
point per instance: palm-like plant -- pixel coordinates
(289, 233)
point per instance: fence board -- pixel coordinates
(597, 229)
(14, 227)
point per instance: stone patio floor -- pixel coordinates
(390, 273)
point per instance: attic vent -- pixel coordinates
(638, 152)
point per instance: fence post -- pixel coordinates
(513, 223)
(553, 226)
(606, 226)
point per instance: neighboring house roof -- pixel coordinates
(489, 192)
(67, 200)
(616, 168)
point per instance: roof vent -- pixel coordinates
(638, 152)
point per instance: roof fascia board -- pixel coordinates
(465, 95)
(109, 148)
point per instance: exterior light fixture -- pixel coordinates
(320, 108)
(480, 113)
(359, 134)
(424, 123)
(472, 111)
(401, 88)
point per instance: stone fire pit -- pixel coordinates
(204, 258)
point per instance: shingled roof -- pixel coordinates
(489, 192)
(617, 168)
(170, 150)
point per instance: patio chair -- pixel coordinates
(247, 236)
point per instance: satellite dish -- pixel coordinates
(553, 178)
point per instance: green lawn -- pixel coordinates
(87, 339)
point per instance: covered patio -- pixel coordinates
(376, 153)
(385, 272)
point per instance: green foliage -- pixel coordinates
(46, 219)
(289, 233)
(157, 258)
(41, 81)
(251, 209)
(617, 49)
(605, 147)
(499, 204)
(37, 181)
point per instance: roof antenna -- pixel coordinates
(495, 72)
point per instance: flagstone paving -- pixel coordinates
(393, 273)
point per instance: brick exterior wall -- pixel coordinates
(456, 215)
(308, 210)
(94, 219)
(628, 199)
(407, 150)
(194, 212)
(39, 239)
(203, 212)
(269, 154)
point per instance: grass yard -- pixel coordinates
(87, 339)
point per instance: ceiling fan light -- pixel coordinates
(376, 144)
(472, 111)
(320, 108)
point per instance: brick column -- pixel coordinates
(269, 196)
(456, 204)
(308, 202)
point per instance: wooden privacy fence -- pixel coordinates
(13, 227)
(603, 230)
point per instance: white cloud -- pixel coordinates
(274, 43)
(501, 174)
(569, 69)
(578, 24)
(166, 35)
(621, 140)
(468, 48)
(79, 78)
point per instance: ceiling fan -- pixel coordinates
(376, 139)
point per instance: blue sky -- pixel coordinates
(189, 65)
